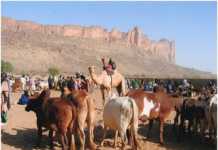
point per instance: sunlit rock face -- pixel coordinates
(164, 49)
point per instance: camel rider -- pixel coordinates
(77, 81)
(110, 67)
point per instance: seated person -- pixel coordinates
(24, 98)
(110, 67)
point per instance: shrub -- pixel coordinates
(53, 71)
(6, 66)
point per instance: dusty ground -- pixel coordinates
(20, 132)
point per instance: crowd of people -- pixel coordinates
(183, 86)
(79, 81)
(29, 85)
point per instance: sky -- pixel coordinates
(192, 25)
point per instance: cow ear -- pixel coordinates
(32, 98)
(44, 94)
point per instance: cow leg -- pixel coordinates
(129, 135)
(190, 124)
(115, 139)
(70, 137)
(203, 126)
(210, 126)
(161, 131)
(91, 115)
(135, 136)
(81, 133)
(51, 138)
(181, 128)
(149, 128)
(210, 130)
(134, 141)
(82, 138)
(123, 137)
(64, 146)
(176, 125)
(195, 126)
(66, 139)
(176, 120)
(82, 116)
(39, 138)
(104, 133)
(63, 136)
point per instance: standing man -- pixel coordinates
(23, 81)
(5, 101)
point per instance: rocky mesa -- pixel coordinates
(163, 49)
(33, 48)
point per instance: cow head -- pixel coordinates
(35, 103)
(159, 88)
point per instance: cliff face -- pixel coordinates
(164, 49)
(33, 48)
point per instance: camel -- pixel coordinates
(107, 82)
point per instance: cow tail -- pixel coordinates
(134, 124)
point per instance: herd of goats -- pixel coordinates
(68, 114)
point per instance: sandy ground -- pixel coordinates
(20, 132)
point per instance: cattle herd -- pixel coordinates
(68, 114)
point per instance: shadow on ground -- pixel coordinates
(24, 139)
(193, 142)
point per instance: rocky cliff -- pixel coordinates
(163, 49)
(34, 48)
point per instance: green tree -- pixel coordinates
(53, 71)
(6, 66)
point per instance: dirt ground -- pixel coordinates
(20, 132)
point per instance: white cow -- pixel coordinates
(119, 114)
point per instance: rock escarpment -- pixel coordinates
(33, 48)
(163, 49)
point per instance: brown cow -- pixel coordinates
(56, 114)
(86, 113)
(152, 106)
(196, 111)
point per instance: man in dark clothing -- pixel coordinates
(63, 85)
(71, 84)
(50, 82)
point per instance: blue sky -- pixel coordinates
(191, 24)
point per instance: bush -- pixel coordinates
(6, 66)
(53, 71)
